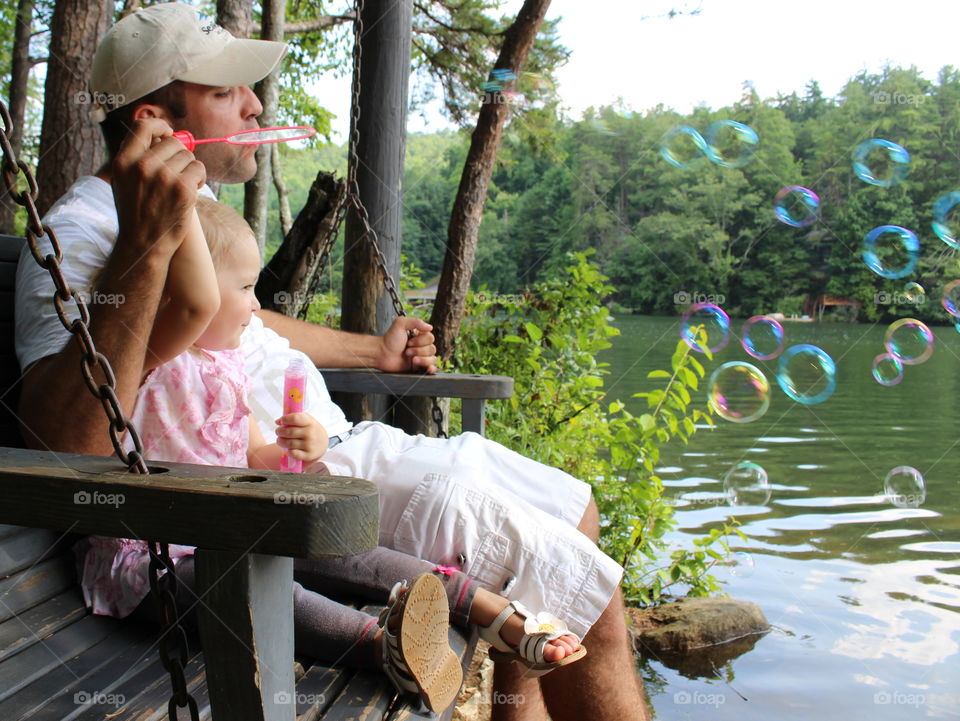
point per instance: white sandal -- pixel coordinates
(539, 629)
(417, 657)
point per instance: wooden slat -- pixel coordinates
(10, 246)
(22, 550)
(41, 658)
(439, 385)
(253, 511)
(25, 589)
(30, 626)
(130, 646)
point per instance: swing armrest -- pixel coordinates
(438, 385)
(238, 510)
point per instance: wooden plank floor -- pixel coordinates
(60, 663)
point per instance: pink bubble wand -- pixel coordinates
(256, 136)
(294, 388)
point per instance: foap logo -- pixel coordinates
(299, 499)
(682, 297)
(284, 698)
(96, 498)
(898, 698)
(882, 297)
(84, 698)
(882, 97)
(697, 698)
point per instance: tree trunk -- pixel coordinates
(17, 98)
(236, 17)
(256, 191)
(290, 279)
(472, 194)
(384, 76)
(70, 143)
(283, 196)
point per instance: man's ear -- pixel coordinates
(148, 110)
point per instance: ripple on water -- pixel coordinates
(897, 533)
(934, 547)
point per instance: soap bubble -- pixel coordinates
(807, 374)
(904, 487)
(762, 337)
(915, 293)
(887, 369)
(746, 484)
(741, 564)
(951, 298)
(891, 251)
(796, 206)
(709, 319)
(889, 162)
(683, 147)
(738, 392)
(909, 340)
(946, 227)
(730, 144)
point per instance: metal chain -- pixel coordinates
(106, 392)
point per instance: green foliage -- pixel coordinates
(548, 340)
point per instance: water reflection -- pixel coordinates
(864, 596)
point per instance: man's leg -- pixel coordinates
(604, 686)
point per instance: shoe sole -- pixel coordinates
(424, 623)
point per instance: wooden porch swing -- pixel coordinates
(58, 661)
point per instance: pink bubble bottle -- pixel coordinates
(294, 387)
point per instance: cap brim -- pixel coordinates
(241, 62)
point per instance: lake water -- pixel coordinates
(863, 596)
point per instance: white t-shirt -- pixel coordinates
(85, 221)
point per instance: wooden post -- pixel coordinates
(248, 640)
(384, 75)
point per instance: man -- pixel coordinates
(158, 70)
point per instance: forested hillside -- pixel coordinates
(664, 234)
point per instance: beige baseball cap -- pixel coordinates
(156, 45)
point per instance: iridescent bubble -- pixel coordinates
(796, 206)
(909, 340)
(730, 144)
(741, 564)
(904, 487)
(881, 162)
(807, 374)
(683, 147)
(762, 337)
(915, 292)
(746, 484)
(891, 251)
(887, 369)
(951, 298)
(738, 392)
(946, 227)
(705, 326)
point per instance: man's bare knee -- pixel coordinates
(590, 522)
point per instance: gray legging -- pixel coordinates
(326, 630)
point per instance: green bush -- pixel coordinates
(548, 340)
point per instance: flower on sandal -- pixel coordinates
(446, 570)
(544, 622)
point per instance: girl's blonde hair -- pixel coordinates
(221, 225)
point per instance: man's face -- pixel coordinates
(217, 112)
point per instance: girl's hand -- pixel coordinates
(302, 435)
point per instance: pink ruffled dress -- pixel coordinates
(192, 409)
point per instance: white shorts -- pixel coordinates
(509, 521)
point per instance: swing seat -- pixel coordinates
(59, 661)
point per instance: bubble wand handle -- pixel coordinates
(294, 387)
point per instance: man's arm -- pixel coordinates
(155, 187)
(406, 346)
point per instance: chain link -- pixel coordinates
(105, 392)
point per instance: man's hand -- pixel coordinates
(155, 182)
(407, 346)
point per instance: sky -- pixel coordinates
(631, 49)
